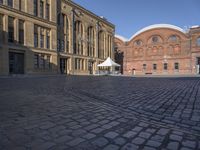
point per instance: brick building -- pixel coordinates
(160, 49)
(52, 36)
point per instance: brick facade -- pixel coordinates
(161, 50)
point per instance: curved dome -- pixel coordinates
(158, 26)
(121, 38)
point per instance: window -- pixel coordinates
(35, 7)
(173, 38)
(48, 64)
(1, 1)
(20, 4)
(165, 66)
(62, 46)
(176, 66)
(36, 61)
(144, 66)
(138, 43)
(10, 29)
(90, 40)
(21, 31)
(42, 62)
(58, 44)
(42, 9)
(47, 11)
(198, 41)
(1, 22)
(48, 42)
(10, 3)
(155, 39)
(41, 41)
(35, 36)
(154, 66)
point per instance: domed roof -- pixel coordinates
(155, 26)
(121, 38)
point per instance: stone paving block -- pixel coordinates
(111, 135)
(111, 147)
(120, 141)
(89, 136)
(100, 142)
(188, 143)
(138, 140)
(97, 130)
(173, 146)
(175, 137)
(75, 142)
(129, 134)
(153, 143)
(144, 135)
(130, 146)
(148, 148)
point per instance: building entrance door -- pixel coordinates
(198, 65)
(90, 66)
(16, 63)
(63, 65)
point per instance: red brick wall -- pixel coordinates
(183, 51)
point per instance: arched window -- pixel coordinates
(138, 43)
(101, 44)
(198, 41)
(155, 39)
(90, 41)
(173, 38)
(78, 44)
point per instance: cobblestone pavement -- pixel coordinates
(99, 113)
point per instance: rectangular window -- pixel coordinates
(47, 11)
(58, 45)
(35, 36)
(176, 66)
(144, 66)
(62, 45)
(42, 62)
(42, 9)
(1, 1)
(20, 4)
(48, 64)
(10, 3)
(41, 41)
(48, 42)
(21, 31)
(10, 29)
(154, 66)
(1, 22)
(165, 66)
(35, 7)
(36, 61)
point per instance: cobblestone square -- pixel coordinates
(99, 113)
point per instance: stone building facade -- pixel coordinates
(160, 49)
(50, 37)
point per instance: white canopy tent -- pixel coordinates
(109, 63)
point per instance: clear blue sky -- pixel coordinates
(129, 16)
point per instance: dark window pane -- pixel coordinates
(176, 66)
(42, 9)
(35, 36)
(36, 61)
(41, 41)
(1, 1)
(48, 42)
(154, 66)
(165, 66)
(35, 7)
(47, 11)
(21, 31)
(10, 29)
(10, 3)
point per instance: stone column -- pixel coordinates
(16, 30)
(97, 41)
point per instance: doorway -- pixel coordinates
(16, 63)
(63, 65)
(91, 67)
(198, 65)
